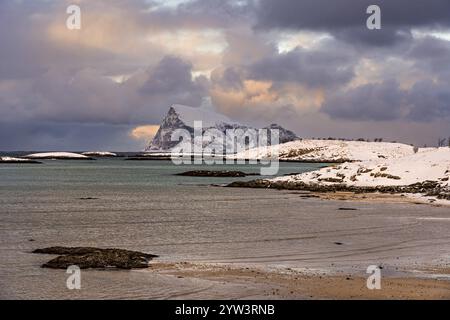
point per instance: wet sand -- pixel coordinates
(382, 197)
(288, 283)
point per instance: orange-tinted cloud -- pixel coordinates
(145, 132)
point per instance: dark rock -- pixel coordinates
(147, 158)
(220, 174)
(347, 209)
(88, 257)
(25, 161)
(338, 180)
(338, 243)
(309, 196)
(88, 198)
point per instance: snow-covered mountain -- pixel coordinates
(183, 117)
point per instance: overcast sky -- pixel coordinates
(309, 65)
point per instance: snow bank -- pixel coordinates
(12, 159)
(330, 151)
(427, 165)
(56, 155)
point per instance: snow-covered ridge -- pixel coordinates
(56, 155)
(428, 165)
(330, 151)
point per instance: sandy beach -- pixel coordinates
(288, 283)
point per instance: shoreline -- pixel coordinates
(293, 283)
(420, 193)
(381, 197)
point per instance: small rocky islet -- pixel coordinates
(95, 258)
(216, 174)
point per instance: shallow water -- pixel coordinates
(142, 205)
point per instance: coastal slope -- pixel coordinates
(429, 165)
(311, 150)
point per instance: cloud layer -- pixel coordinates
(312, 66)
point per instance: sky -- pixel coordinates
(311, 66)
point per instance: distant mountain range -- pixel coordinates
(183, 117)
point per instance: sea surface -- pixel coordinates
(143, 205)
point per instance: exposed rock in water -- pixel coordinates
(219, 174)
(21, 162)
(88, 257)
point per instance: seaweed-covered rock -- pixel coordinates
(89, 257)
(216, 174)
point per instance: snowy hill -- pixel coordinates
(183, 117)
(429, 165)
(330, 151)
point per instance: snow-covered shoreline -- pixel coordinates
(421, 175)
(430, 165)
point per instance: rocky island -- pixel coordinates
(216, 174)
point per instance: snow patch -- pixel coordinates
(12, 159)
(55, 155)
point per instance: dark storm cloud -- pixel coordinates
(314, 68)
(425, 101)
(50, 136)
(368, 102)
(429, 101)
(86, 96)
(332, 14)
(431, 55)
(346, 19)
(173, 76)
(64, 110)
(230, 78)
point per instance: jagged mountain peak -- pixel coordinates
(183, 117)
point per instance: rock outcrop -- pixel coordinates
(88, 257)
(216, 174)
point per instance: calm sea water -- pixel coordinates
(143, 205)
(139, 205)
